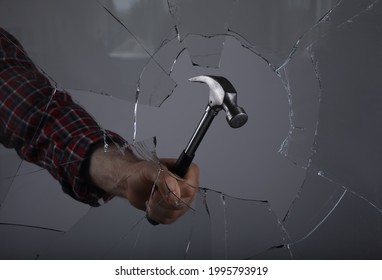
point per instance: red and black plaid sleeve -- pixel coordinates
(44, 125)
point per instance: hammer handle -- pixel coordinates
(188, 154)
(182, 164)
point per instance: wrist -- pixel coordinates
(107, 168)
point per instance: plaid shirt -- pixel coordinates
(44, 125)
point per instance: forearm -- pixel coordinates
(45, 126)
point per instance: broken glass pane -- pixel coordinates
(149, 22)
(273, 28)
(303, 90)
(91, 51)
(20, 194)
(30, 241)
(300, 180)
(210, 231)
(343, 13)
(318, 197)
(257, 224)
(352, 108)
(259, 89)
(10, 162)
(96, 234)
(149, 26)
(198, 23)
(351, 219)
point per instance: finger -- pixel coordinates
(168, 200)
(192, 175)
(164, 182)
(157, 200)
(160, 211)
(186, 195)
(168, 187)
(174, 191)
(188, 185)
(162, 215)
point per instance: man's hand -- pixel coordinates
(147, 185)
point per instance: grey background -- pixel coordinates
(304, 171)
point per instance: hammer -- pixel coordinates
(222, 96)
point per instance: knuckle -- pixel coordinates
(171, 217)
(188, 191)
(195, 168)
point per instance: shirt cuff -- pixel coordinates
(78, 185)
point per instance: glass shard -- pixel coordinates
(262, 94)
(149, 22)
(313, 204)
(150, 25)
(91, 51)
(205, 52)
(257, 224)
(272, 28)
(157, 242)
(34, 209)
(10, 163)
(303, 90)
(30, 241)
(343, 13)
(88, 239)
(351, 105)
(353, 219)
(197, 22)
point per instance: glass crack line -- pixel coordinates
(176, 59)
(320, 223)
(312, 150)
(68, 89)
(188, 246)
(131, 33)
(225, 226)
(236, 198)
(189, 239)
(322, 174)
(105, 144)
(350, 20)
(23, 174)
(290, 251)
(363, 198)
(31, 226)
(245, 44)
(296, 45)
(137, 237)
(135, 117)
(266, 250)
(32, 140)
(204, 195)
(139, 222)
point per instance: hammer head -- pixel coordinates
(224, 96)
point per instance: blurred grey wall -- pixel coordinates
(307, 75)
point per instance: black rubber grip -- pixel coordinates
(182, 164)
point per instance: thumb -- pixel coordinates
(168, 187)
(173, 192)
(165, 182)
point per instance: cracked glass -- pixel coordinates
(300, 180)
